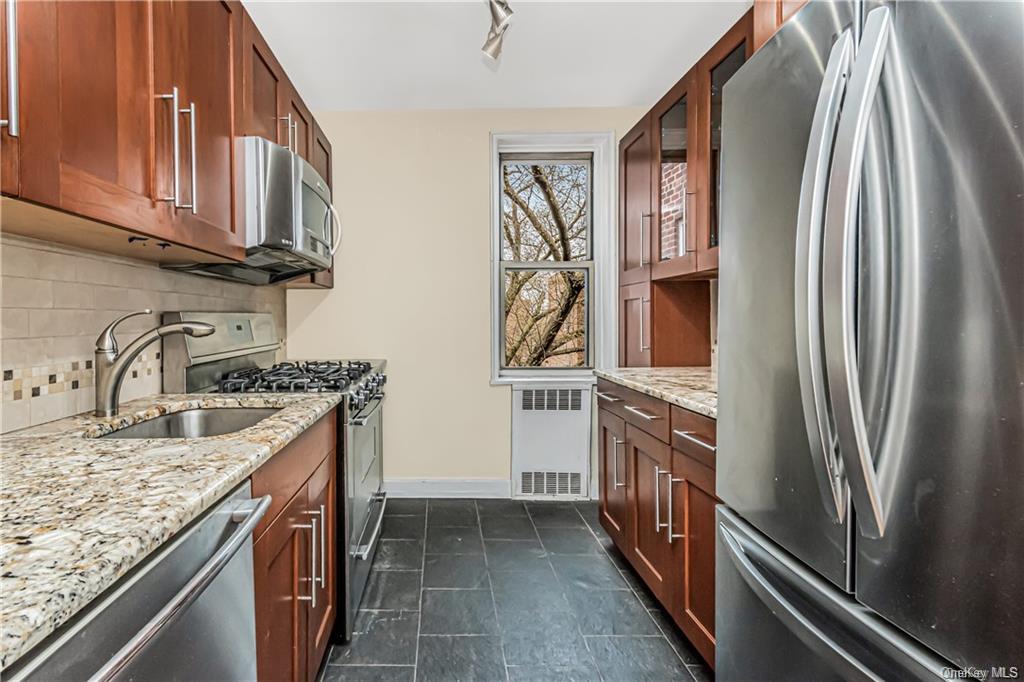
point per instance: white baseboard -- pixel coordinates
(448, 487)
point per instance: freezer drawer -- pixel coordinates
(777, 620)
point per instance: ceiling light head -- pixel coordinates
(492, 46)
(501, 16)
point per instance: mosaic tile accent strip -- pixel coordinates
(22, 383)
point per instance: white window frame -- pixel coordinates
(601, 281)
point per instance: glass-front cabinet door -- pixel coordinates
(715, 70)
(675, 192)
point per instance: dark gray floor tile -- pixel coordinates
(403, 528)
(636, 658)
(451, 513)
(514, 555)
(638, 586)
(380, 638)
(532, 591)
(455, 570)
(458, 612)
(611, 612)
(507, 528)
(701, 673)
(416, 506)
(369, 673)
(445, 658)
(589, 510)
(448, 540)
(569, 541)
(397, 590)
(587, 572)
(500, 508)
(553, 673)
(675, 637)
(399, 555)
(617, 557)
(551, 637)
(554, 514)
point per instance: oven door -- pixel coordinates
(366, 500)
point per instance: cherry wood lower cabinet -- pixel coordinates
(661, 516)
(294, 556)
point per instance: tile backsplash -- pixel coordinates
(57, 299)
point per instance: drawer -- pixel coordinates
(641, 410)
(694, 434)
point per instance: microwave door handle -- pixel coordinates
(335, 229)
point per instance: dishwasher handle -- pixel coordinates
(247, 516)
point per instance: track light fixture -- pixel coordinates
(501, 17)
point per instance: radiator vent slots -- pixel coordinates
(552, 399)
(551, 483)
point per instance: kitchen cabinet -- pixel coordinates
(714, 70)
(657, 502)
(298, 122)
(635, 204)
(769, 15)
(635, 325)
(294, 555)
(264, 85)
(665, 324)
(9, 174)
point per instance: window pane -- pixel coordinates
(673, 180)
(719, 76)
(545, 318)
(545, 210)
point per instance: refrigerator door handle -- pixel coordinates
(839, 279)
(739, 550)
(807, 285)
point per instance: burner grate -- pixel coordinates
(314, 376)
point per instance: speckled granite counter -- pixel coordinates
(695, 388)
(77, 512)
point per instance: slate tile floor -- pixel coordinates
(507, 590)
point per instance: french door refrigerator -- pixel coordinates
(871, 353)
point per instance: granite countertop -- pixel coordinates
(77, 512)
(695, 388)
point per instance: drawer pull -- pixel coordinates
(688, 435)
(608, 396)
(649, 416)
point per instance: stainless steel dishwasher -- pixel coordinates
(186, 613)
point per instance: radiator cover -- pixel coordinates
(551, 428)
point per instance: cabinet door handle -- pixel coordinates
(641, 413)
(658, 525)
(643, 217)
(190, 111)
(643, 348)
(295, 136)
(608, 396)
(175, 146)
(672, 535)
(288, 129)
(311, 598)
(321, 514)
(12, 122)
(615, 462)
(688, 435)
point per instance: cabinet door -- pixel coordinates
(693, 516)
(297, 116)
(613, 476)
(263, 86)
(676, 179)
(651, 461)
(635, 204)
(713, 71)
(322, 506)
(281, 563)
(9, 173)
(635, 325)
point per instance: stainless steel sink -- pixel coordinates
(197, 423)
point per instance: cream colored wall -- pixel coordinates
(412, 279)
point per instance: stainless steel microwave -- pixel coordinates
(291, 228)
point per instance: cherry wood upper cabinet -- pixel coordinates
(677, 176)
(635, 204)
(769, 15)
(263, 88)
(298, 121)
(9, 174)
(714, 70)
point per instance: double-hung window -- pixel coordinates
(546, 266)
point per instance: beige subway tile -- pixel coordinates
(14, 415)
(22, 292)
(22, 261)
(74, 295)
(72, 348)
(14, 323)
(47, 408)
(51, 323)
(25, 353)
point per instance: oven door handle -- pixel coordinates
(363, 420)
(363, 551)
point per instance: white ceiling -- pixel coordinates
(426, 55)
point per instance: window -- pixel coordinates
(546, 261)
(553, 243)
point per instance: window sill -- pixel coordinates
(578, 377)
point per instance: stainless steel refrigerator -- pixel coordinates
(871, 353)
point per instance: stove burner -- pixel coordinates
(314, 376)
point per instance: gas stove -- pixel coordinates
(356, 377)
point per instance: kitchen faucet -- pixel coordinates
(111, 366)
